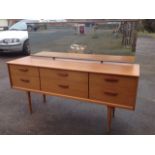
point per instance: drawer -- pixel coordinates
(72, 84)
(113, 89)
(63, 74)
(112, 82)
(26, 82)
(18, 70)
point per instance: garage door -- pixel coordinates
(3, 22)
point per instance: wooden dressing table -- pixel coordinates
(92, 78)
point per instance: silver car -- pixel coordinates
(15, 39)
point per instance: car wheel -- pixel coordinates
(26, 48)
(29, 28)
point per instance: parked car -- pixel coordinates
(25, 24)
(15, 39)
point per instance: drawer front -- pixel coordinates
(67, 83)
(24, 71)
(63, 74)
(112, 82)
(113, 89)
(26, 82)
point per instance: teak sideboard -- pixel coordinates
(111, 84)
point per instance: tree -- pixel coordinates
(149, 25)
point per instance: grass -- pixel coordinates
(99, 42)
(106, 43)
(146, 34)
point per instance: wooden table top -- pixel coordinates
(122, 69)
(93, 57)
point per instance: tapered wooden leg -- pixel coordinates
(44, 98)
(109, 117)
(30, 103)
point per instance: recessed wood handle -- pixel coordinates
(64, 86)
(111, 80)
(63, 74)
(23, 69)
(25, 80)
(111, 93)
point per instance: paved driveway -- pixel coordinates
(64, 116)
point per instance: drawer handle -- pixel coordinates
(111, 80)
(111, 93)
(64, 86)
(24, 80)
(63, 74)
(23, 70)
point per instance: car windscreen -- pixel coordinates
(19, 26)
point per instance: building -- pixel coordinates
(5, 23)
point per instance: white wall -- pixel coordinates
(3, 22)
